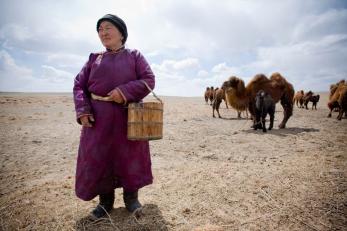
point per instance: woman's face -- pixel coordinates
(109, 35)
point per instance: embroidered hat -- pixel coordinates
(117, 22)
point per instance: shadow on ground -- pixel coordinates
(120, 219)
(282, 132)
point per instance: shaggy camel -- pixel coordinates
(211, 95)
(277, 86)
(339, 100)
(298, 99)
(333, 88)
(207, 94)
(306, 98)
(314, 99)
(264, 105)
(236, 99)
(310, 97)
(219, 95)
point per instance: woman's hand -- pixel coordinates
(116, 96)
(87, 121)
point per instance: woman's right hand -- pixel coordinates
(87, 121)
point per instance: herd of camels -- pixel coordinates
(242, 97)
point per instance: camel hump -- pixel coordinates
(278, 80)
(259, 79)
(233, 78)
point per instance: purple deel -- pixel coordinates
(106, 158)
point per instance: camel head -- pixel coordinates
(261, 94)
(232, 82)
(225, 85)
(310, 93)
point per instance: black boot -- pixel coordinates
(131, 201)
(105, 205)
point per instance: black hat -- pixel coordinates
(117, 22)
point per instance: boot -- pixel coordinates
(131, 201)
(105, 205)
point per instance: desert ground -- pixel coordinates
(209, 173)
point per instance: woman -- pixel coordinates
(106, 158)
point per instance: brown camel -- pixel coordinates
(219, 95)
(339, 100)
(306, 98)
(333, 88)
(277, 86)
(298, 99)
(236, 97)
(207, 94)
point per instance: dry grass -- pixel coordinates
(210, 174)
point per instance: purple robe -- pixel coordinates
(106, 158)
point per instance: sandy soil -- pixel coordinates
(210, 173)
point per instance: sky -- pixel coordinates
(189, 44)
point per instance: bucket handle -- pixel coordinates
(150, 89)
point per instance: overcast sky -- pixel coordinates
(189, 44)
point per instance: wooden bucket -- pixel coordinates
(145, 119)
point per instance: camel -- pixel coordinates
(236, 98)
(339, 100)
(314, 99)
(298, 99)
(207, 94)
(264, 105)
(211, 95)
(277, 86)
(333, 88)
(219, 95)
(306, 98)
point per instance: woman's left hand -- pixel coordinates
(116, 96)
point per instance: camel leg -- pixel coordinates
(333, 106)
(263, 123)
(213, 108)
(217, 108)
(329, 115)
(251, 110)
(287, 112)
(339, 117)
(272, 117)
(257, 122)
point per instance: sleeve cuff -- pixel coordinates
(123, 96)
(79, 117)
